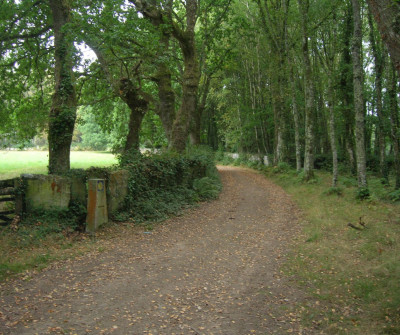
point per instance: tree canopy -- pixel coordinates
(311, 83)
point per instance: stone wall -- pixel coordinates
(55, 192)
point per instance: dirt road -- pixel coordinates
(214, 270)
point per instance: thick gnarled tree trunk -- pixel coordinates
(138, 105)
(166, 96)
(63, 110)
(191, 77)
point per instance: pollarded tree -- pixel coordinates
(183, 30)
(123, 46)
(179, 20)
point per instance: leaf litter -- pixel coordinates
(206, 272)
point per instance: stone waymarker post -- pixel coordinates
(97, 205)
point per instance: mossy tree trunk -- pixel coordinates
(379, 65)
(358, 96)
(63, 110)
(138, 105)
(191, 78)
(394, 121)
(387, 17)
(166, 96)
(308, 95)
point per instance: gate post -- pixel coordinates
(97, 205)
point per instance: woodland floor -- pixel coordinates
(213, 270)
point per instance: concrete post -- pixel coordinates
(97, 205)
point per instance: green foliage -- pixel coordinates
(347, 268)
(362, 193)
(8, 269)
(40, 223)
(207, 188)
(334, 191)
(163, 184)
(89, 135)
(282, 168)
(394, 196)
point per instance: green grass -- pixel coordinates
(14, 163)
(353, 274)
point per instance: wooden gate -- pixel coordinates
(7, 200)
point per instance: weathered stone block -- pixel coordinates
(117, 190)
(48, 192)
(78, 190)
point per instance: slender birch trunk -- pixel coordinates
(309, 96)
(358, 96)
(394, 122)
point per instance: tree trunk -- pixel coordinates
(387, 17)
(191, 78)
(358, 96)
(332, 131)
(166, 96)
(63, 110)
(274, 19)
(309, 97)
(138, 106)
(378, 54)
(394, 122)
(296, 125)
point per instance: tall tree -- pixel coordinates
(309, 94)
(184, 32)
(359, 95)
(63, 110)
(378, 53)
(274, 16)
(387, 16)
(394, 121)
(50, 52)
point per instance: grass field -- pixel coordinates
(14, 163)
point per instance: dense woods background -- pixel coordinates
(310, 83)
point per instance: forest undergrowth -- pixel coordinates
(347, 256)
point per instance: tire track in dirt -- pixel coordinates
(214, 270)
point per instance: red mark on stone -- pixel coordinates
(53, 185)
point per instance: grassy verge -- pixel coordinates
(30, 249)
(14, 163)
(353, 276)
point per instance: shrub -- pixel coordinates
(362, 193)
(282, 167)
(163, 184)
(394, 196)
(207, 188)
(334, 191)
